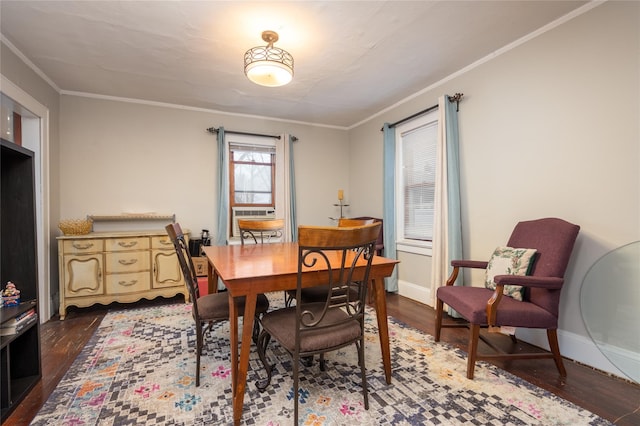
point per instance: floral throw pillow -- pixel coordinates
(509, 261)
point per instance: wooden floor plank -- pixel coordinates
(612, 398)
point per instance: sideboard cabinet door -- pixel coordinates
(83, 275)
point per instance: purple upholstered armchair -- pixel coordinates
(553, 239)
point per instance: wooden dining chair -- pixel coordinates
(345, 222)
(343, 257)
(319, 293)
(209, 308)
(380, 242)
(260, 230)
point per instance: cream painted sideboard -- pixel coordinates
(105, 267)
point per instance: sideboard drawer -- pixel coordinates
(82, 246)
(120, 244)
(128, 283)
(161, 243)
(134, 261)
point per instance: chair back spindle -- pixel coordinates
(174, 230)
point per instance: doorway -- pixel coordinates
(35, 136)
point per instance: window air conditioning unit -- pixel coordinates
(250, 213)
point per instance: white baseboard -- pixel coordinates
(415, 292)
(625, 359)
(575, 347)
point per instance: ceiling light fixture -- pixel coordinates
(267, 65)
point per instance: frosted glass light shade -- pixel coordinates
(268, 73)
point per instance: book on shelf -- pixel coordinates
(16, 324)
(21, 316)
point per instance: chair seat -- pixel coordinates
(214, 307)
(471, 303)
(281, 324)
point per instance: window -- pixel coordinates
(252, 171)
(257, 179)
(416, 146)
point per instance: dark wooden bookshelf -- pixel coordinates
(20, 364)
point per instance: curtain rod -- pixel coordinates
(214, 130)
(455, 98)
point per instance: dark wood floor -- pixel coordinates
(611, 398)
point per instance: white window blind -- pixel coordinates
(416, 156)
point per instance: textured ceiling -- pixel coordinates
(352, 58)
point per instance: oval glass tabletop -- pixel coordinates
(610, 307)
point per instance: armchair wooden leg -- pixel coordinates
(552, 335)
(474, 335)
(438, 324)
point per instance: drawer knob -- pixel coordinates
(127, 283)
(127, 244)
(127, 262)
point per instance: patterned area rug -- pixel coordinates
(138, 368)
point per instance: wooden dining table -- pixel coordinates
(247, 270)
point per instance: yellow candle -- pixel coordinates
(340, 194)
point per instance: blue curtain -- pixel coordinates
(292, 192)
(223, 194)
(453, 187)
(389, 210)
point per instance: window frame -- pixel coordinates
(232, 163)
(404, 244)
(280, 187)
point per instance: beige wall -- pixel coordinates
(549, 128)
(129, 157)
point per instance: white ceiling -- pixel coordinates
(352, 58)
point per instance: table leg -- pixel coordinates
(383, 327)
(233, 336)
(212, 279)
(239, 368)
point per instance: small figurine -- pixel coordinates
(10, 295)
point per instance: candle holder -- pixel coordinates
(341, 205)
